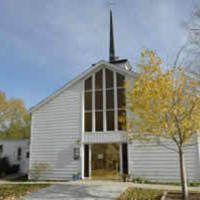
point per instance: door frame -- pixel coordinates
(121, 159)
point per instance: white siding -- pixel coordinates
(198, 154)
(158, 163)
(114, 137)
(10, 148)
(56, 128)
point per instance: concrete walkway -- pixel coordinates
(87, 189)
(91, 190)
(78, 191)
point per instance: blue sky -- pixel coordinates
(45, 43)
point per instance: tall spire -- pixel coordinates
(112, 46)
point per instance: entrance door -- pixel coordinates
(86, 161)
(125, 158)
(105, 161)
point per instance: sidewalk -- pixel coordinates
(104, 183)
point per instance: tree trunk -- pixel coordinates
(183, 174)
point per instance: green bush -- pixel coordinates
(140, 180)
(140, 194)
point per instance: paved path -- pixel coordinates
(88, 190)
(78, 192)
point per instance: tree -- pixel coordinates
(189, 54)
(14, 118)
(163, 104)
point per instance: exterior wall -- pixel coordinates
(57, 126)
(56, 129)
(10, 148)
(198, 154)
(159, 163)
(108, 137)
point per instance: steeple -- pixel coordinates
(122, 63)
(112, 45)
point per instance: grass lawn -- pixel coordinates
(141, 194)
(14, 191)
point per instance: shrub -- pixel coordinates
(6, 167)
(13, 169)
(140, 180)
(38, 169)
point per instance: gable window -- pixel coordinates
(98, 80)
(109, 79)
(104, 101)
(99, 120)
(88, 100)
(110, 120)
(88, 84)
(121, 102)
(88, 104)
(88, 121)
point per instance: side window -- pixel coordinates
(27, 155)
(1, 150)
(19, 153)
(76, 153)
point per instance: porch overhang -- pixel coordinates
(113, 137)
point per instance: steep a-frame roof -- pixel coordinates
(79, 77)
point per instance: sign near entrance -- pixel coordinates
(100, 156)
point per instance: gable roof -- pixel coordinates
(77, 78)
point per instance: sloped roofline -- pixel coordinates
(76, 79)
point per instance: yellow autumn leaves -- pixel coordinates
(14, 118)
(163, 103)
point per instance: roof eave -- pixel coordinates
(79, 77)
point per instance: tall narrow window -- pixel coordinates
(113, 92)
(99, 120)
(88, 84)
(88, 100)
(109, 78)
(121, 102)
(99, 101)
(88, 121)
(120, 80)
(88, 104)
(110, 117)
(110, 99)
(110, 120)
(121, 98)
(98, 80)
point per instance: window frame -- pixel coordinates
(104, 109)
(19, 153)
(76, 153)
